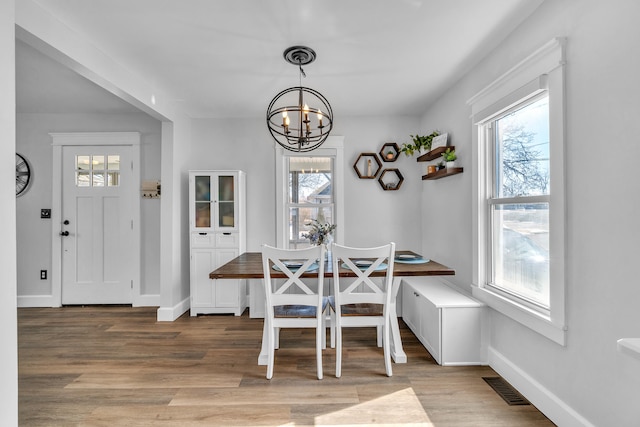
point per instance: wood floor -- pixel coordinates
(117, 366)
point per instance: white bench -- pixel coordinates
(447, 322)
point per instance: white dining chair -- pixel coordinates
(363, 301)
(290, 302)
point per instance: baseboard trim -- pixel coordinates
(25, 301)
(170, 314)
(548, 403)
(147, 301)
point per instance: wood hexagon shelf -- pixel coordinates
(367, 165)
(391, 182)
(389, 152)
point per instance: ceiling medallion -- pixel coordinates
(300, 118)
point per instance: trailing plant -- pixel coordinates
(417, 143)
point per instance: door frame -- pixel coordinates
(59, 141)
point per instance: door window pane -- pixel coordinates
(98, 179)
(91, 172)
(83, 163)
(83, 179)
(114, 163)
(97, 162)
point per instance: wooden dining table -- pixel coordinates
(249, 266)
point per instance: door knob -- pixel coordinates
(64, 233)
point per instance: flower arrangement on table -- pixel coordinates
(319, 233)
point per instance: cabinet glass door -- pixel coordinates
(203, 201)
(226, 201)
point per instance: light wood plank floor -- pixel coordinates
(112, 366)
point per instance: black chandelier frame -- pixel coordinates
(305, 126)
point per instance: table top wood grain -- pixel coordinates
(249, 266)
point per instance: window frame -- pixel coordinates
(289, 204)
(541, 71)
(332, 147)
(493, 199)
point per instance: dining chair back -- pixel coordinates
(292, 302)
(363, 300)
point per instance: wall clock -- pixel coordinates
(23, 174)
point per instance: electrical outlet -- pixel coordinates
(43, 274)
(45, 213)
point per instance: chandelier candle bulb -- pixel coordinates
(320, 119)
(306, 113)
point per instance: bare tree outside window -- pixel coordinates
(525, 169)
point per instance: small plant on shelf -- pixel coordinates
(418, 143)
(449, 157)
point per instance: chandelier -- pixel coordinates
(300, 118)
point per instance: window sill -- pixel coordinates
(533, 320)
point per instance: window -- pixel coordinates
(94, 171)
(519, 231)
(518, 202)
(309, 186)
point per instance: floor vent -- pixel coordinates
(506, 391)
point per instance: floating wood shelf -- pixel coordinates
(392, 183)
(442, 173)
(389, 152)
(434, 154)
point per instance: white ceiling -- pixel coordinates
(222, 58)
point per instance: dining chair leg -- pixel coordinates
(338, 351)
(332, 327)
(379, 335)
(387, 350)
(324, 330)
(321, 342)
(271, 345)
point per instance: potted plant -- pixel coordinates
(449, 157)
(419, 144)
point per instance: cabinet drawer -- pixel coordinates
(227, 240)
(202, 240)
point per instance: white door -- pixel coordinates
(97, 224)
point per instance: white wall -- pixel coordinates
(587, 381)
(8, 315)
(34, 234)
(373, 216)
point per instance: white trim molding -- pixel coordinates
(548, 403)
(541, 71)
(60, 140)
(332, 147)
(169, 314)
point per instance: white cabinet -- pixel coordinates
(217, 228)
(447, 322)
